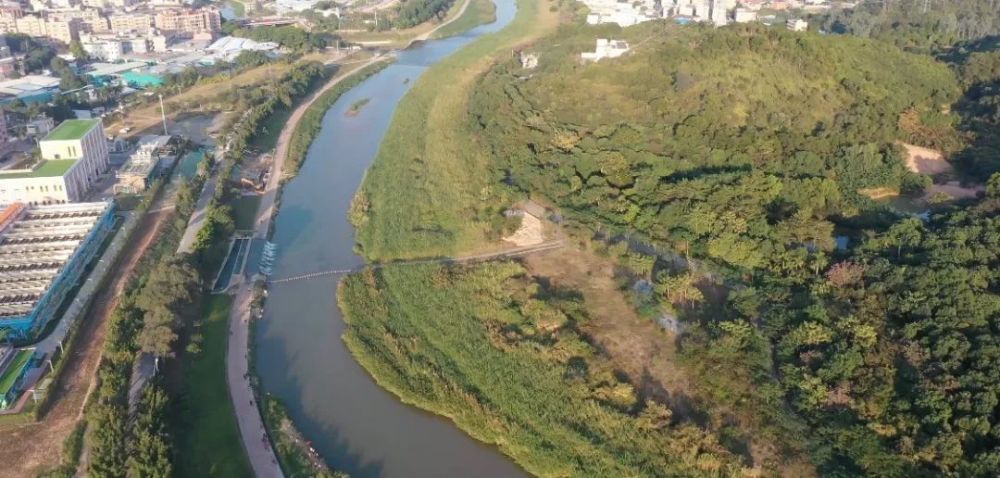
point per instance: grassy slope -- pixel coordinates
(433, 336)
(428, 182)
(479, 12)
(210, 446)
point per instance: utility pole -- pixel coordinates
(163, 115)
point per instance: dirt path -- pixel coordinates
(27, 450)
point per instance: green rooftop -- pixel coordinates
(14, 370)
(48, 168)
(71, 129)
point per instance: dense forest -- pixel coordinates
(752, 150)
(925, 25)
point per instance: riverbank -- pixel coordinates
(477, 12)
(437, 208)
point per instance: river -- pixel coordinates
(356, 426)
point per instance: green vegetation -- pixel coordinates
(422, 198)
(906, 24)
(753, 145)
(288, 36)
(239, 9)
(355, 107)
(71, 451)
(211, 444)
(414, 12)
(742, 152)
(291, 448)
(312, 120)
(71, 129)
(13, 370)
(502, 356)
(479, 12)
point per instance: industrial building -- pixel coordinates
(44, 251)
(74, 154)
(140, 169)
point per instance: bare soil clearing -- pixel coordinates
(530, 233)
(925, 160)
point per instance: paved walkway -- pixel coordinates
(258, 448)
(198, 216)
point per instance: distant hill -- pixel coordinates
(712, 107)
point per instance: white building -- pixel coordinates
(797, 25)
(622, 13)
(744, 15)
(74, 154)
(717, 14)
(606, 49)
(105, 49)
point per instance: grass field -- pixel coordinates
(500, 355)
(427, 188)
(266, 137)
(209, 443)
(479, 12)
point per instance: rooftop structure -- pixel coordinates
(74, 155)
(138, 171)
(30, 88)
(72, 130)
(228, 48)
(606, 49)
(43, 253)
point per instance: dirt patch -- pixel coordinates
(879, 193)
(925, 160)
(954, 189)
(638, 347)
(530, 233)
(27, 450)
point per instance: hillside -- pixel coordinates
(748, 150)
(748, 138)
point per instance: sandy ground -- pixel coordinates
(954, 189)
(27, 450)
(530, 233)
(925, 160)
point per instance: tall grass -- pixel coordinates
(429, 188)
(501, 356)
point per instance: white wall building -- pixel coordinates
(105, 49)
(797, 25)
(74, 155)
(606, 49)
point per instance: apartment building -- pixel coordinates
(90, 19)
(131, 22)
(34, 26)
(203, 20)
